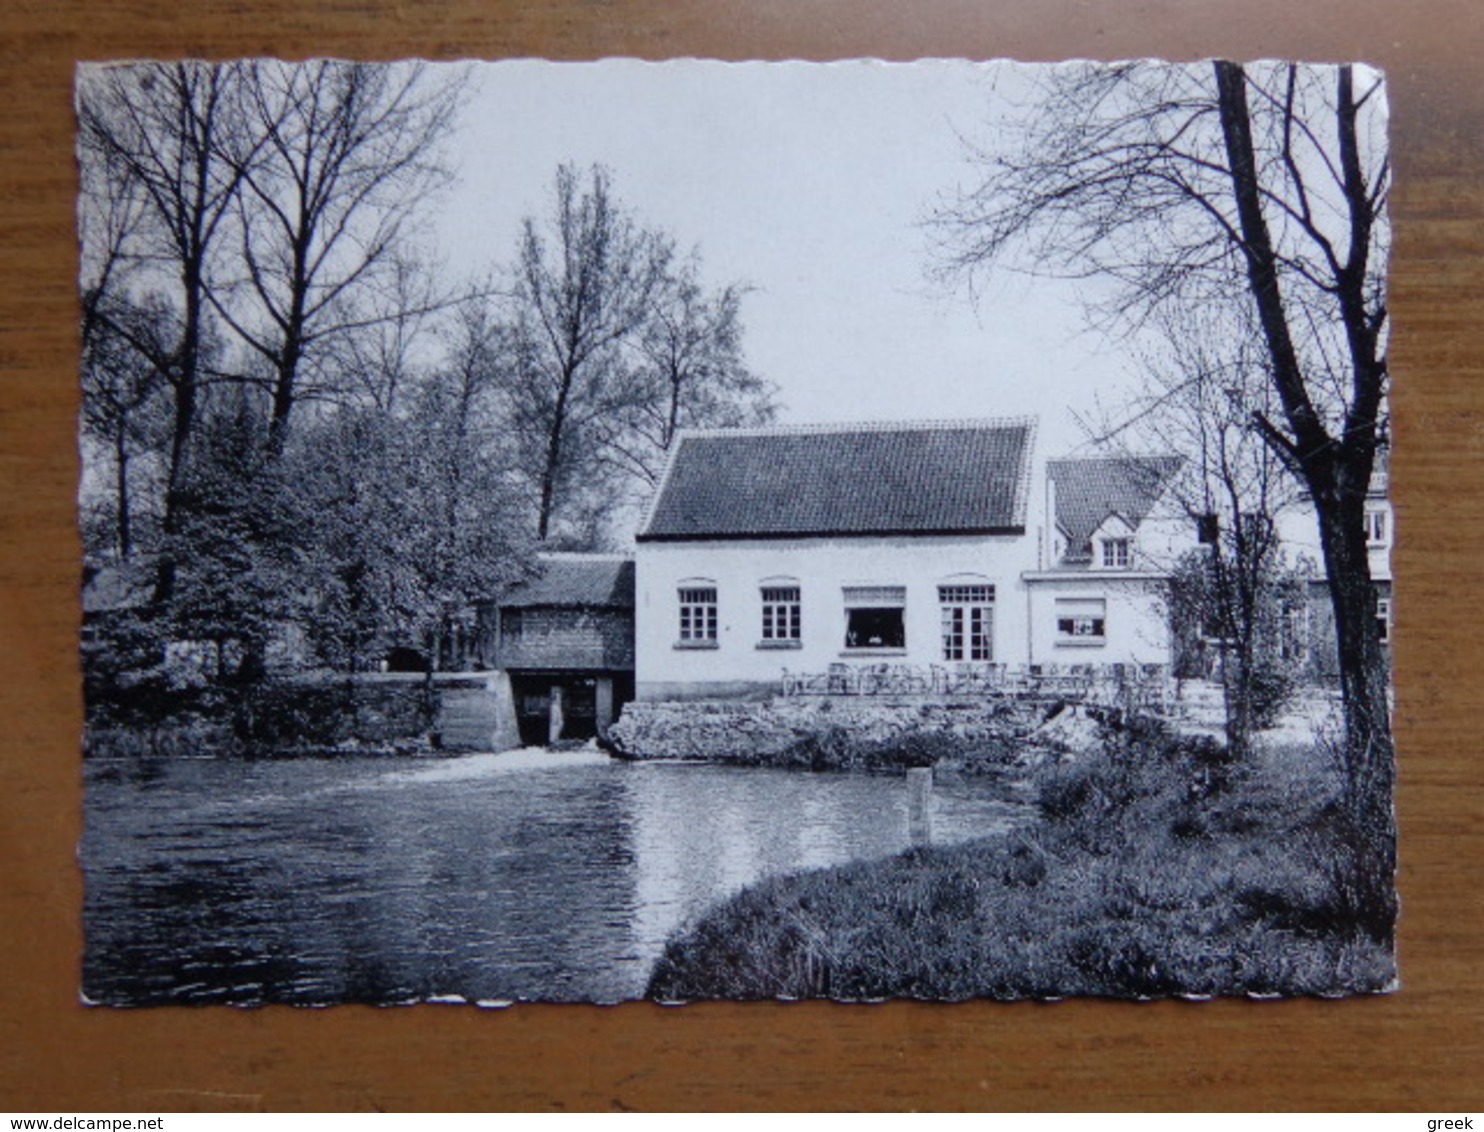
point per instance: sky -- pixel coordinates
(810, 183)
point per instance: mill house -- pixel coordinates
(905, 556)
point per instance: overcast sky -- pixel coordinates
(810, 182)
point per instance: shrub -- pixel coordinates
(1271, 686)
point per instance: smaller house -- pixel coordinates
(1103, 595)
(565, 638)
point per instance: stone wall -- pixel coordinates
(772, 731)
(338, 713)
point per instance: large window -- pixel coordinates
(1081, 620)
(781, 615)
(875, 617)
(1117, 553)
(968, 622)
(698, 615)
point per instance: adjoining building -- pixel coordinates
(898, 544)
(1380, 533)
(565, 638)
(1103, 596)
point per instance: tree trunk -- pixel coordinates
(121, 487)
(1337, 472)
(553, 456)
(1368, 751)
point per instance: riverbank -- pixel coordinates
(832, 733)
(1156, 868)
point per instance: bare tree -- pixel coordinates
(1201, 387)
(1269, 183)
(150, 139)
(121, 410)
(335, 159)
(381, 363)
(586, 281)
(693, 373)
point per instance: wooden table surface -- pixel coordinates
(1419, 1049)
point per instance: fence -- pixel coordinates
(1145, 687)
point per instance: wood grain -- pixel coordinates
(1422, 1048)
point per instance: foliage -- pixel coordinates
(610, 348)
(1242, 612)
(251, 261)
(1158, 867)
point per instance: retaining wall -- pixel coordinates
(762, 732)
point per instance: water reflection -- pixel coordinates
(525, 876)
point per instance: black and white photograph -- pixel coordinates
(591, 532)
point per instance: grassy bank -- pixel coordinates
(1155, 868)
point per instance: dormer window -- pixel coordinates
(1375, 528)
(1117, 553)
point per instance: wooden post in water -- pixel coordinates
(920, 804)
(555, 720)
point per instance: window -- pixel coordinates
(1208, 529)
(698, 615)
(1117, 553)
(511, 624)
(1375, 528)
(968, 622)
(875, 617)
(1383, 618)
(781, 614)
(1081, 620)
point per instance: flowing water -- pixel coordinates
(528, 875)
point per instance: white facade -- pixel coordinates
(727, 615)
(1098, 617)
(1119, 613)
(869, 582)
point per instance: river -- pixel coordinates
(489, 878)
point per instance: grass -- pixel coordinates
(1155, 868)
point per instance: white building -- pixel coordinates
(1103, 595)
(1299, 530)
(908, 544)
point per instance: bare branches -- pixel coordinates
(335, 159)
(1265, 186)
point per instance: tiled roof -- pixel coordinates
(589, 580)
(933, 477)
(1089, 490)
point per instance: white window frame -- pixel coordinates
(1383, 618)
(1081, 621)
(697, 600)
(783, 618)
(1118, 553)
(967, 611)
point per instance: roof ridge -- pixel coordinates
(825, 427)
(1130, 458)
(584, 556)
